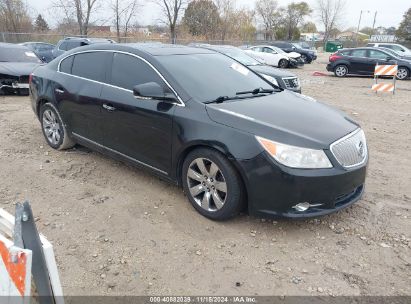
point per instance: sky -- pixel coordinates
(389, 12)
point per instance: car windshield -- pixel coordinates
(278, 50)
(391, 52)
(297, 45)
(240, 56)
(206, 77)
(18, 55)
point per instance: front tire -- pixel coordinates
(283, 64)
(54, 129)
(341, 70)
(212, 185)
(403, 73)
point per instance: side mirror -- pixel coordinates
(388, 58)
(152, 90)
(293, 47)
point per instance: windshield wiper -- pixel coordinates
(221, 99)
(256, 92)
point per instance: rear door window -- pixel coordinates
(129, 71)
(359, 53)
(72, 45)
(91, 65)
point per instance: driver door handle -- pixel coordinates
(109, 107)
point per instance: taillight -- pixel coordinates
(335, 57)
(30, 78)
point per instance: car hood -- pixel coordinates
(293, 55)
(17, 68)
(270, 71)
(286, 117)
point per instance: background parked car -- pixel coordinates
(395, 53)
(280, 78)
(16, 64)
(72, 42)
(272, 57)
(362, 61)
(392, 46)
(307, 55)
(43, 50)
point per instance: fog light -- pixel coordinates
(301, 207)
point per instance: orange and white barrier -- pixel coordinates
(16, 266)
(383, 87)
(15, 272)
(389, 70)
(386, 70)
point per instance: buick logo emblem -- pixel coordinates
(361, 149)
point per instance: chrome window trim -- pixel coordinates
(344, 138)
(180, 101)
(119, 153)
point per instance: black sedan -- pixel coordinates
(362, 61)
(16, 64)
(202, 120)
(277, 77)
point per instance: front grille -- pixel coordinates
(351, 150)
(24, 79)
(291, 83)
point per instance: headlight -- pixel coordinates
(270, 79)
(295, 157)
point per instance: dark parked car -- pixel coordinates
(308, 56)
(16, 64)
(280, 78)
(362, 61)
(43, 50)
(204, 121)
(70, 43)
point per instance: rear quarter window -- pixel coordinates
(66, 65)
(345, 53)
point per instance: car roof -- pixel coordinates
(12, 46)
(160, 49)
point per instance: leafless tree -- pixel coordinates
(267, 10)
(14, 16)
(330, 14)
(124, 13)
(226, 10)
(172, 10)
(80, 10)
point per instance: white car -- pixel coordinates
(392, 46)
(274, 56)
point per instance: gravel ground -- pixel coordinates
(119, 230)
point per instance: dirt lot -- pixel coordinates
(119, 230)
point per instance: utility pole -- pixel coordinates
(358, 28)
(373, 24)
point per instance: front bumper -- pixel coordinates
(273, 189)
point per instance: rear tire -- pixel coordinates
(403, 73)
(54, 129)
(341, 70)
(212, 184)
(283, 64)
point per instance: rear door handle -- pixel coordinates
(109, 108)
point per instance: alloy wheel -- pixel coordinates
(207, 184)
(304, 58)
(341, 71)
(402, 73)
(51, 127)
(283, 63)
